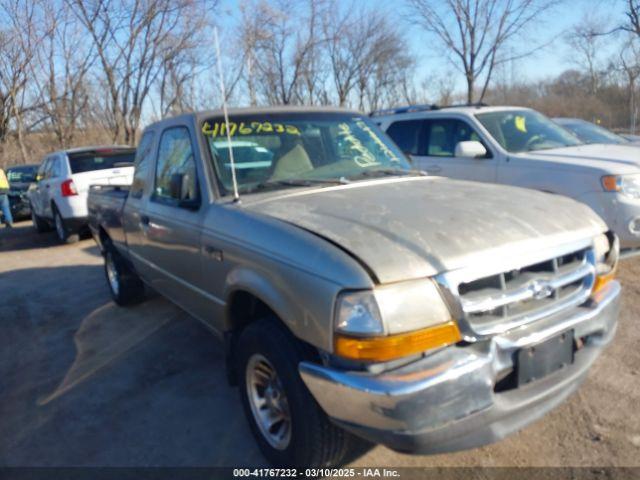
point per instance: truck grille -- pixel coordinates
(519, 296)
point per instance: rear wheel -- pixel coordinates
(124, 284)
(61, 229)
(39, 223)
(289, 426)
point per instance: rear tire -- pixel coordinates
(61, 229)
(39, 223)
(124, 284)
(312, 440)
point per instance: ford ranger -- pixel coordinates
(355, 296)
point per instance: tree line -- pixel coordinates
(80, 71)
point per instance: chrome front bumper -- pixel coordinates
(448, 401)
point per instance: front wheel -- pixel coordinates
(290, 427)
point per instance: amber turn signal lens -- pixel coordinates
(381, 349)
(602, 281)
(610, 183)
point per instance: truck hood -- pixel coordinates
(617, 159)
(415, 227)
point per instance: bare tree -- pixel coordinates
(586, 41)
(17, 44)
(59, 71)
(280, 46)
(476, 32)
(133, 40)
(629, 61)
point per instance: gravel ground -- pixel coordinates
(85, 383)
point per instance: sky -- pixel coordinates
(551, 60)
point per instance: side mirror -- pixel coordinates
(470, 149)
(175, 185)
(178, 188)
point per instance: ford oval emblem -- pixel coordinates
(540, 289)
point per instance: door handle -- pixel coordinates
(213, 252)
(144, 219)
(434, 169)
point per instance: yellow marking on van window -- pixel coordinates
(521, 123)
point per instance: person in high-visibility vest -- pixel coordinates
(4, 200)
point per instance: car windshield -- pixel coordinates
(24, 174)
(526, 130)
(591, 133)
(279, 150)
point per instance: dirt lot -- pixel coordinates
(83, 382)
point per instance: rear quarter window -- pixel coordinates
(99, 160)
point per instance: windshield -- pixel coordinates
(526, 130)
(288, 149)
(591, 133)
(25, 174)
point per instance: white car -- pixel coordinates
(521, 147)
(59, 197)
(591, 133)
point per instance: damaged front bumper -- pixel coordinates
(454, 399)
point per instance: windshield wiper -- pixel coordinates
(378, 172)
(299, 182)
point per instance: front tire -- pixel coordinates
(125, 286)
(61, 229)
(289, 426)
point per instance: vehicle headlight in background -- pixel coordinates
(607, 253)
(628, 185)
(392, 322)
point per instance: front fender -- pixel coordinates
(302, 301)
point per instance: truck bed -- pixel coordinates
(105, 204)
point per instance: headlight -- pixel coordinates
(606, 249)
(628, 185)
(392, 322)
(357, 313)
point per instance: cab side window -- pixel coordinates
(42, 171)
(176, 179)
(439, 135)
(142, 163)
(443, 136)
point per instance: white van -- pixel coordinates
(59, 197)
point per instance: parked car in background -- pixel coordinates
(353, 293)
(591, 133)
(20, 177)
(631, 137)
(521, 147)
(59, 197)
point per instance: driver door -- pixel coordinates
(437, 151)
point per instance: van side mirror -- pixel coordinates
(470, 149)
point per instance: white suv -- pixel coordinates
(522, 147)
(59, 198)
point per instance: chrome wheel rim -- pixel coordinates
(268, 402)
(112, 274)
(59, 227)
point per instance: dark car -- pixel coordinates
(20, 177)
